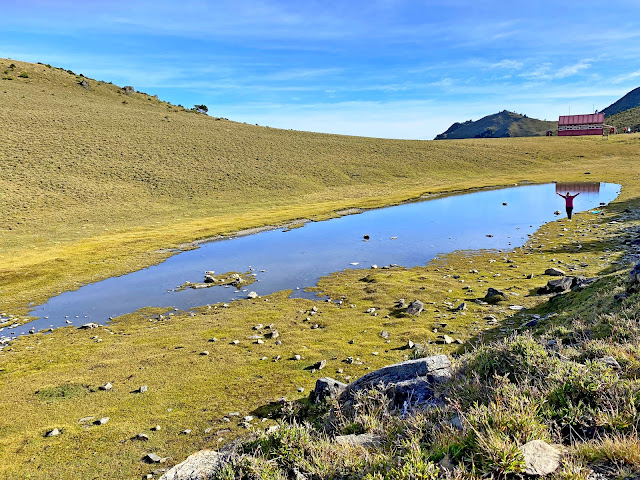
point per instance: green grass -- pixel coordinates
(93, 187)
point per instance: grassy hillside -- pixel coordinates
(95, 182)
(499, 125)
(627, 118)
(627, 102)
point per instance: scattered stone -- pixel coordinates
(297, 357)
(101, 421)
(273, 334)
(410, 345)
(301, 389)
(415, 308)
(456, 422)
(107, 386)
(541, 458)
(88, 326)
(620, 296)
(143, 389)
(634, 274)
(128, 90)
(157, 428)
(319, 365)
(494, 295)
(554, 272)
(201, 465)
(235, 342)
(611, 362)
(84, 84)
(204, 353)
(384, 334)
(213, 339)
(52, 433)
(142, 437)
(445, 463)
(560, 285)
(186, 431)
(153, 458)
(252, 295)
(365, 440)
(370, 310)
(257, 327)
(445, 339)
(461, 307)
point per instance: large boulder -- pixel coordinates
(128, 90)
(327, 388)
(201, 465)
(411, 381)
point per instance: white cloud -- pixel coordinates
(508, 64)
(547, 71)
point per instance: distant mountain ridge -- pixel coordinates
(629, 101)
(499, 125)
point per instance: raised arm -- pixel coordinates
(563, 196)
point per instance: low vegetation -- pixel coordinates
(96, 187)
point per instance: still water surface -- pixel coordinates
(407, 235)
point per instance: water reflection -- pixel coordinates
(408, 235)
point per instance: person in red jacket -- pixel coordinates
(568, 199)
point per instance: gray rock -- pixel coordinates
(201, 465)
(142, 437)
(554, 272)
(273, 334)
(252, 295)
(445, 463)
(319, 365)
(540, 458)
(494, 295)
(52, 433)
(327, 388)
(410, 380)
(446, 339)
(384, 334)
(560, 285)
(84, 84)
(153, 458)
(101, 421)
(415, 308)
(461, 307)
(143, 389)
(401, 303)
(365, 440)
(634, 274)
(88, 326)
(611, 362)
(128, 90)
(107, 386)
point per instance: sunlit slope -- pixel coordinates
(94, 181)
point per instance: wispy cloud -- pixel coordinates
(547, 71)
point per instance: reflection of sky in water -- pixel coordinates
(298, 257)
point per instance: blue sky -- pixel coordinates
(382, 68)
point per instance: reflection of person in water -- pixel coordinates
(568, 199)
